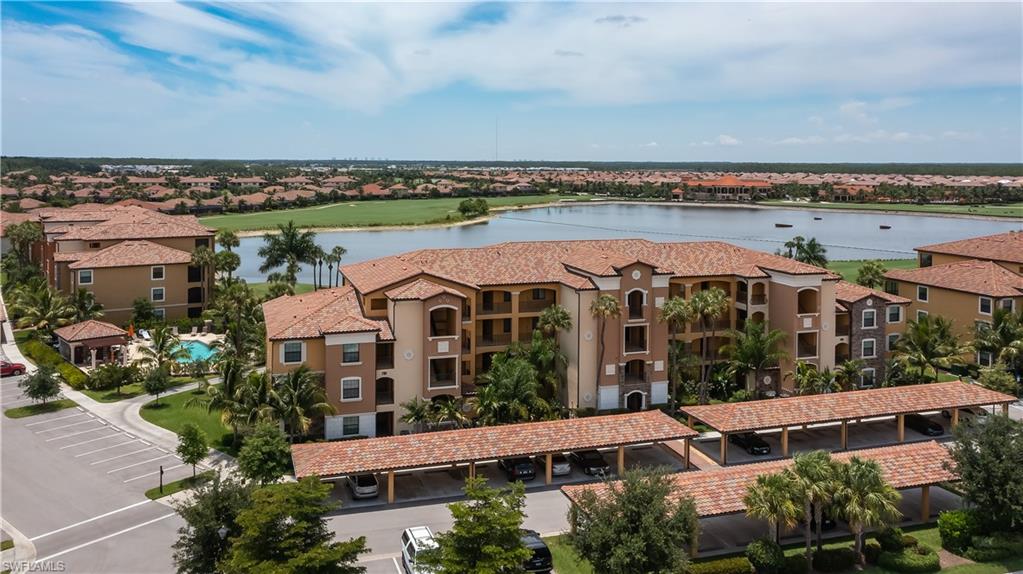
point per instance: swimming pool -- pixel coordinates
(197, 351)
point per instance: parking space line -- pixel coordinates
(15, 402)
(54, 420)
(134, 478)
(88, 520)
(74, 444)
(396, 567)
(138, 464)
(103, 426)
(101, 539)
(105, 448)
(120, 456)
(66, 426)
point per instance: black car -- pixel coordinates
(750, 442)
(518, 468)
(541, 561)
(924, 425)
(591, 462)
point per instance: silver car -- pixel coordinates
(559, 464)
(413, 541)
(363, 485)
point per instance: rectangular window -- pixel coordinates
(350, 353)
(868, 349)
(892, 339)
(378, 304)
(507, 296)
(894, 314)
(985, 305)
(539, 294)
(1007, 304)
(867, 378)
(869, 318)
(94, 245)
(292, 352)
(506, 325)
(156, 272)
(985, 358)
(157, 294)
(891, 287)
(920, 314)
(204, 242)
(926, 260)
(85, 277)
(921, 293)
(194, 274)
(349, 426)
(160, 313)
(351, 389)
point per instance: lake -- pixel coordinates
(846, 234)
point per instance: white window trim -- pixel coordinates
(863, 318)
(152, 294)
(921, 313)
(283, 354)
(817, 354)
(353, 364)
(890, 340)
(863, 354)
(888, 315)
(1012, 304)
(990, 361)
(359, 425)
(163, 272)
(926, 292)
(343, 399)
(990, 303)
(160, 312)
(873, 373)
(92, 276)
(458, 372)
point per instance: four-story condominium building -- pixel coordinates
(429, 322)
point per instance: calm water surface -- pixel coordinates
(847, 235)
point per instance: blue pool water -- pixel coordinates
(197, 351)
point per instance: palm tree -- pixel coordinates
(418, 412)
(205, 259)
(754, 349)
(228, 240)
(677, 313)
(847, 375)
(871, 274)
(164, 349)
(224, 396)
(864, 499)
(553, 320)
(449, 411)
(770, 498)
(334, 258)
(44, 310)
(929, 346)
(810, 381)
(708, 306)
(316, 257)
(1003, 338)
(510, 393)
(299, 395)
(604, 307)
(85, 305)
(812, 253)
(794, 246)
(289, 247)
(256, 398)
(812, 478)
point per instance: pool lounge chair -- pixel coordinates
(145, 335)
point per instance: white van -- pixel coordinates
(413, 541)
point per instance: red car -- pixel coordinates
(8, 369)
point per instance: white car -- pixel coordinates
(972, 414)
(559, 464)
(363, 485)
(413, 541)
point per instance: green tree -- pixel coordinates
(987, 458)
(847, 374)
(265, 454)
(22, 236)
(299, 396)
(510, 393)
(283, 532)
(473, 207)
(224, 397)
(771, 498)
(812, 253)
(754, 349)
(812, 479)
(142, 312)
(85, 306)
(156, 382)
(928, 347)
(553, 320)
(289, 247)
(214, 505)
(864, 499)
(676, 313)
(193, 444)
(163, 350)
(42, 385)
(636, 525)
(418, 413)
(603, 308)
(1003, 338)
(708, 306)
(236, 309)
(486, 536)
(998, 378)
(44, 310)
(449, 410)
(112, 376)
(871, 274)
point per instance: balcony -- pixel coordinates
(495, 308)
(533, 306)
(384, 356)
(495, 340)
(385, 391)
(718, 325)
(760, 299)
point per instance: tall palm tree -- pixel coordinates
(230, 261)
(227, 239)
(164, 349)
(289, 247)
(256, 398)
(812, 477)
(553, 320)
(708, 306)
(1003, 338)
(794, 245)
(316, 257)
(864, 499)
(677, 313)
(811, 381)
(224, 396)
(510, 393)
(205, 259)
(754, 349)
(770, 498)
(871, 274)
(812, 253)
(299, 395)
(929, 346)
(85, 305)
(44, 310)
(418, 412)
(337, 253)
(449, 411)
(847, 375)
(604, 307)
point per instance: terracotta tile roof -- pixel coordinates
(971, 276)
(847, 292)
(111, 222)
(483, 443)
(1001, 247)
(7, 218)
(132, 254)
(419, 290)
(322, 312)
(832, 407)
(91, 329)
(720, 491)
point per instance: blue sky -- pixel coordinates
(552, 81)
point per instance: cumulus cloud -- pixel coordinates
(721, 140)
(808, 140)
(620, 20)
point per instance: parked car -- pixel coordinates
(559, 464)
(413, 541)
(750, 442)
(363, 485)
(924, 425)
(592, 462)
(974, 414)
(518, 468)
(8, 369)
(541, 560)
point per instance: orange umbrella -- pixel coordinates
(131, 331)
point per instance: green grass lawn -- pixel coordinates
(998, 210)
(172, 414)
(40, 408)
(129, 391)
(367, 213)
(848, 269)
(261, 289)
(566, 560)
(179, 485)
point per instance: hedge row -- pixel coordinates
(42, 354)
(918, 559)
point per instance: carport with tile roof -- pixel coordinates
(751, 416)
(469, 446)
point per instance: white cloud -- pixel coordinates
(721, 140)
(808, 140)
(650, 144)
(882, 136)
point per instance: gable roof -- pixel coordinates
(90, 329)
(846, 292)
(322, 312)
(1001, 247)
(420, 290)
(970, 276)
(131, 253)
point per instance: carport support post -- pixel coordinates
(390, 487)
(785, 441)
(472, 470)
(621, 460)
(955, 417)
(925, 503)
(1005, 409)
(724, 449)
(902, 428)
(685, 454)
(845, 435)
(547, 468)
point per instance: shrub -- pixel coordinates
(795, 564)
(957, 529)
(997, 547)
(736, 565)
(834, 559)
(988, 554)
(872, 550)
(913, 560)
(742, 395)
(766, 556)
(909, 541)
(43, 354)
(890, 539)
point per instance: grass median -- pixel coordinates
(179, 485)
(172, 414)
(40, 408)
